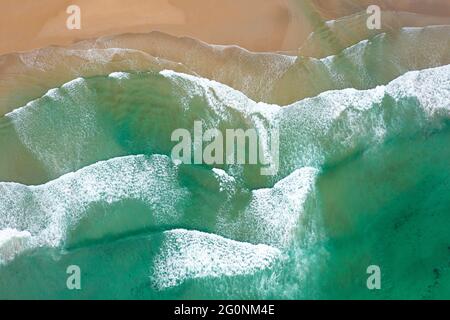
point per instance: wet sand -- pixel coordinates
(269, 25)
(253, 24)
(117, 38)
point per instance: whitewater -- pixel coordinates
(102, 184)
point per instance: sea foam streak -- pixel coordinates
(46, 213)
(353, 120)
(12, 243)
(192, 254)
(65, 209)
(336, 35)
(273, 214)
(268, 77)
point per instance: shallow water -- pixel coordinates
(363, 180)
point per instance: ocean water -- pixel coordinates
(87, 179)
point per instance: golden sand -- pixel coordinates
(268, 25)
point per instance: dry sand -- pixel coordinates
(253, 24)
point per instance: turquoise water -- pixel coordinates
(363, 180)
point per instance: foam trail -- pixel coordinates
(187, 254)
(267, 77)
(26, 76)
(336, 35)
(64, 124)
(12, 243)
(316, 131)
(338, 124)
(86, 124)
(273, 214)
(282, 80)
(49, 212)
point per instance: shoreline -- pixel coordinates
(269, 26)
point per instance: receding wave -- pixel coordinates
(336, 35)
(49, 212)
(192, 254)
(78, 125)
(267, 77)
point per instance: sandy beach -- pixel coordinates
(255, 25)
(270, 25)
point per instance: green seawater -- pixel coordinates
(363, 179)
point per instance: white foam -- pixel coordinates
(431, 88)
(48, 211)
(224, 102)
(273, 214)
(52, 93)
(12, 243)
(349, 119)
(188, 254)
(119, 75)
(219, 96)
(62, 128)
(226, 182)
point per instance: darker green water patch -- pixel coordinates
(389, 207)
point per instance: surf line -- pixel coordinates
(186, 310)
